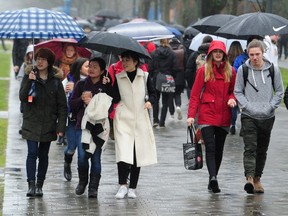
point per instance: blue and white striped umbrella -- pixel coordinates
(38, 23)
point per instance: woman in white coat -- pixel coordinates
(134, 139)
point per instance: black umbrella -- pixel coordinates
(211, 24)
(257, 23)
(112, 43)
(109, 13)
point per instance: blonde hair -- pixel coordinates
(209, 73)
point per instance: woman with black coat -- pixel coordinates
(44, 115)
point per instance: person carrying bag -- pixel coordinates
(212, 99)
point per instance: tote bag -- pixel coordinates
(165, 83)
(192, 152)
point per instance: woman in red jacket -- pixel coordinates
(212, 99)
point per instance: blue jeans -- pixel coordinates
(73, 138)
(37, 150)
(83, 157)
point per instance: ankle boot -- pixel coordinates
(258, 188)
(83, 181)
(67, 171)
(31, 189)
(93, 185)
(39, 185)
(67, 166)
(249, 186)
(213, 185)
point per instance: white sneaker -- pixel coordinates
(121, 192)
(179, 112)
(131, 193)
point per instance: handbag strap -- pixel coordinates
(190, 132)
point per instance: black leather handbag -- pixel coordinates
(192, 152)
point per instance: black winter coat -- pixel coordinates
(164, 60)
(46, 115)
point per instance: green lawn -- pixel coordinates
(5, 57)
(284, 73)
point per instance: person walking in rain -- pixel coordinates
(258, 97)
(83, 104)
(164, 61)
(212, 97)
(134, 138)
(79, 71)
(44, 115)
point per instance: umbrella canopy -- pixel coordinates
(57, 44)
(38, 23)
(211, 24)
(109, 13)
(250, 24)
(112, 43)
(142, 31)
(197, 41)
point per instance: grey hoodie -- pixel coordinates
(261, 104)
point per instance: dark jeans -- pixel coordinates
(36, 150)
(235, 111)
(214, 139)
(256, 136)
(176, 98)
(166, 100)
(125, 169)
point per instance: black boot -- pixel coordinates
(39, 185)
(83, 181)
(67, 167)
(93, 185)
(31, 189)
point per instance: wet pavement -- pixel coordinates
(164, 189)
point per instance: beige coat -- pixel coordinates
(132, 123)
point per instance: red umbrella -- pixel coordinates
(57, 44)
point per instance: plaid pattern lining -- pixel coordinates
(38, 23)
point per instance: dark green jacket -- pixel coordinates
(46, 115)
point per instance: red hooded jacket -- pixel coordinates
(210, 98)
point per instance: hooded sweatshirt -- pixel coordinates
(259, 104)
(163, 60)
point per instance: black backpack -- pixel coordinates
(245, 76)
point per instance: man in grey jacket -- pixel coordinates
(257, 98)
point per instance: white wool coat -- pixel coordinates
(96, 112)
(132, 123)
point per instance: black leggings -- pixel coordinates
(124, 169)
(214, 139)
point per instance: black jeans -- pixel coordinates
(214, 139)
(125, 169)
(166, 100)
(256, 136)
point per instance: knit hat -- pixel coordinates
(46, 53)
(215, 44)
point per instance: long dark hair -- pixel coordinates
(75, 69)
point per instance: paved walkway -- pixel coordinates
(164, 189)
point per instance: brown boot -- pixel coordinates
(249, 186)
(257, 185)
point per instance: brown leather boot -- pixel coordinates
(258, 188)
(249, 186)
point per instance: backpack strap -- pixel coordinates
(245, 75)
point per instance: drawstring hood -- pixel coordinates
(261, 94)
